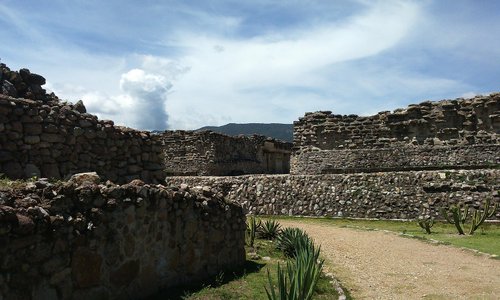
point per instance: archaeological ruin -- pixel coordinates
(168, 208)
(396, 165)
(88, 238)
(215, 154)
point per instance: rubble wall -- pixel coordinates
(94, 241)
(430, 135)
(55, 139)
(211, 153)
(386, 195)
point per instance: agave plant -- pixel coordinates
(292, 240)
(299, 278)
(270, 229)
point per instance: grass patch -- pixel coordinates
(486, 239)
(247, 283)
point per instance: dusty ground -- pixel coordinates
(380, 265)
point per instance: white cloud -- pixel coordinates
(213, 72)
(248, 81)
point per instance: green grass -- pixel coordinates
(247, 283)
(486, 239)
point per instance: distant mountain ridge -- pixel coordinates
(275, 130)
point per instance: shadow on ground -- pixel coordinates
(183, 291)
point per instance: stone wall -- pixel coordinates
(389, 195)
(447, 122)
(83, 240)
(431, 135)
(211, 153)
(56, 139)
(315, 161)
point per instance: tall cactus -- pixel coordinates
(253, 225)
(457, 217)
(479, 216)
(426, 224)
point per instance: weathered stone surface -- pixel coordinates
(32, 129)
(122, 250)
(125, 273)
(211, 153)
(79, 107)
(88, 177)
(51, 171)
(431, 135)
(388, 195)
(61, 139)
(24, 225)
(31, 171)
(86, 268)
(13, 169)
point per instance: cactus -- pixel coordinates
(253, 226)
(426, 224)
(458, 216)
(479, 216)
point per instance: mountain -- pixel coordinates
(275, 130)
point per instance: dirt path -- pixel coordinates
(380, 265)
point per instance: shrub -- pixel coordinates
(270, 229)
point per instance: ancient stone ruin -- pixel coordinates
(453, 134)
(180, 211)
(210, 153)
(89, 238)
(396, 165)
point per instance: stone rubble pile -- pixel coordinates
(23, 84)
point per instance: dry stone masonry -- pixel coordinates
(84, 239)
(54, 139)
(385, 195)
(87, 240)
(396, 165)
(211, 153)
(461, 133)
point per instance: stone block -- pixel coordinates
(86, 268)
(13, 170)
(52, 138)
(32, 128)
(125, 274)
(31, 139)
(51, 171)
(82, 178)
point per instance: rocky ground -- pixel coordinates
(381, 265)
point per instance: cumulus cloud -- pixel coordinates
(139, 102)
(148, 93)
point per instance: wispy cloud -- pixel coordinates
(212, 62)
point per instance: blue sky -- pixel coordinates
(187, 64)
